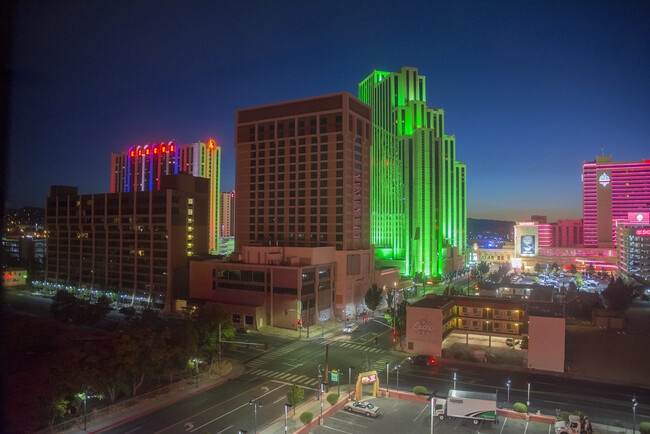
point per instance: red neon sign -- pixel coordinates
(643, 232)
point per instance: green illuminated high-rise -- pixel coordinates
(418, 207)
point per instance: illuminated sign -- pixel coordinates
(526, 223)
(368, 378)
(528, 245)
(422, 327)
(604, 179)
(643, 232)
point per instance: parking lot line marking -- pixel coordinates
(416, 417)
(339, 430)
(526, 430)
(348, 422)
(549, 429)
(504, 425)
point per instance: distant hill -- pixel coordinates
(482, 226)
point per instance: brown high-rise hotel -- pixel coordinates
(303, 173)
(302, 240)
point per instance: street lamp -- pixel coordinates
(349, 379)
(508, 386)
(528, 399)
(286, 406)
(634, 403)
(454, 381)
(387, 371)
(255, 404)
(397, 370)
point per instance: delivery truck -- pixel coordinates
(461, 404)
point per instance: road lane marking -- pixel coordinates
(225, 429)
(133, 430)
(233, 410)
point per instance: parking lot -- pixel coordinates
(405, 416)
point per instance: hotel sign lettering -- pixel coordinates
(422, 327)
(368, 378)
(643, 232)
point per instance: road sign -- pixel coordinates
(334, 375)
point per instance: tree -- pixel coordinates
(373, 298)
(208, 320)
(389, 299)
(418, 277)
(618, 294)
(295, 395)
(67, 308)
(538, 268)
(573, 288)
(573, 269)
(578, 281)
(555, 266)
(482, 268)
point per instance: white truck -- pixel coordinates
(475, 406)
(572, 427)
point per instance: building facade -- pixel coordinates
(227, 214)
(303, 173)
(431, 320)
(141, 168)
(419, 215)
(633, 246)
(610, 191)
(135, 244)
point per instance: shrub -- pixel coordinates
(644, 427)
(565, 416)
(420, 390)
(520, 407)
(306, 417)
(332, 398)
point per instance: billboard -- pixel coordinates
(528, 245)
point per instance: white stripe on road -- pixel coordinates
(225, 429)
(233, 410)
(334, 429)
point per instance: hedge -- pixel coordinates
(520, 407)
(644, 427)
(332, 398)
(420, 390)
(306, 417)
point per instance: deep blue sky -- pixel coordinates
(530, 89)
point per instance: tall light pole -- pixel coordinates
(397, 369)
(508, 386)
(528, 399)
(286, 407)
(454, 381)
(634, 413)
(349, 379)
(387, 371)
(255, 404)
(321, 403)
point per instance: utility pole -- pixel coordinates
(327, 358)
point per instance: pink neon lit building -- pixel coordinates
(611, 190)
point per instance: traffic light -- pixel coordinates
(394, 332)
(286, 311)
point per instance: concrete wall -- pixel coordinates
(424, 331)
(546, 343)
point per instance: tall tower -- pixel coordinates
(418, 211)
(303, 173)
(141, 167)
(611, 190)
(227, 216)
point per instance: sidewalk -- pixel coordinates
(294, 424)
(231, 368)
(315, 331)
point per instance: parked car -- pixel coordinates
(363, 407)
(510, 342)
(349, 328)
(422, 359)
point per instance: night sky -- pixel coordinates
(530, 89)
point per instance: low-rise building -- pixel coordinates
(431, 320)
